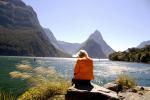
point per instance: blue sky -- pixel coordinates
(122, 23)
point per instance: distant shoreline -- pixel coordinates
(51, 57)
(139, 55)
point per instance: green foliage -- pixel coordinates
(126, 81)
(6, 96)
(45, 91)
(133, 55)
(44, 83)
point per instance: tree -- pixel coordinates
(133, 55)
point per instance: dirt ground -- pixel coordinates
(139, 95)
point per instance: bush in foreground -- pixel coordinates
(45, 91)
(44, 83)
(126, 81)
(6, 96)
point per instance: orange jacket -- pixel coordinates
(84, 69)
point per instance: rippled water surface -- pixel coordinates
(104, 70)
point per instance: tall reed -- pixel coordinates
(44, 83)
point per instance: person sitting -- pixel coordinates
(83, 70)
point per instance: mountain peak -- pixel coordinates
(93, 48)
(96, 35)
(97, 31)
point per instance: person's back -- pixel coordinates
(83, 71)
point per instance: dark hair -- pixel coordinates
(81, 54)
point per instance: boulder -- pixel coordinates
(114, 87)
(93, 92)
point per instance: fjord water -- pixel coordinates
(104, 70)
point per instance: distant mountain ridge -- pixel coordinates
(66, 47)
(97, 37)
(93, 48)
(141, 45)
(95, 45)
(71, 48)
(21, 33)
(52, 38)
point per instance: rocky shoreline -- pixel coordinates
(142, 94)
(108, 92)
(136, 93)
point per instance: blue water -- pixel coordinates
(104, 70)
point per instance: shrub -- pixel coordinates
(126, 81)
(44, 83)
(45, 91)
(6, 96)
(133, 55)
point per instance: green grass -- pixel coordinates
(44, 83)
(126, 81)
(45, 91)
(6, 96)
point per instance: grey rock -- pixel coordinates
(95, 93)
(112, 86)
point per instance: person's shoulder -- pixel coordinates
(90, 59)
(83, 59)
(80, 59)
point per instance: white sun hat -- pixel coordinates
(80, 53)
